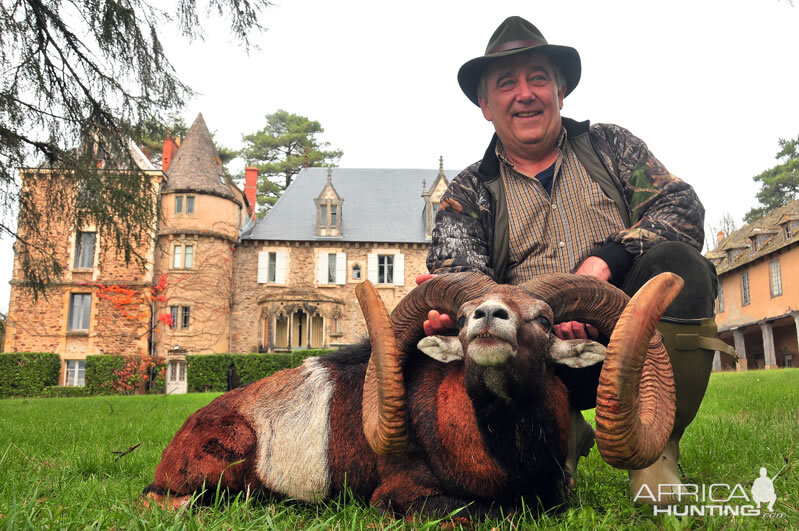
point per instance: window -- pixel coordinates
(788, 361)
(183, 256)
(184, 317)
(177, 257)
(272, 267)
(331, 269)
(84, 250)
(181, 316)
(786, 230)
(333, 212)
(775, 278)
(80, 308)
(177, 371)
(188, 256)
(184, 204)
(356, 272)
(75, 373)
(385, 269)
(272, 274)
(745, 288)
(720, 298)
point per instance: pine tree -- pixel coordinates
(778, 185)
(281, 149)
(80, 79)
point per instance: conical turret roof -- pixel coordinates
(197, 166)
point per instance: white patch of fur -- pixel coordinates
(293, 429)
(442, 348)
(576, 353)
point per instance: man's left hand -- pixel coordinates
(593, 266)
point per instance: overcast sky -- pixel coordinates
(710, 86)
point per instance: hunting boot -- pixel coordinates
(581, 439)
(691, 344)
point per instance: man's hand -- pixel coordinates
(593, 266)
(436, 322)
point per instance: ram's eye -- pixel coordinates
(461, 321)
(545, 323)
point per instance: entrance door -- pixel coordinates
(176, 377)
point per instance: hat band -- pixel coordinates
(512, 45)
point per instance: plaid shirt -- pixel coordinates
(661, 206)
(554, 233)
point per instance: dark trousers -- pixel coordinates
(695, 301)
(697, 298)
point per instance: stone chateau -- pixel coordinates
(217, 280)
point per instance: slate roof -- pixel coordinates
(380, 205)
(196, 166)
(771, 238)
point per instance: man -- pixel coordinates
(555, 195)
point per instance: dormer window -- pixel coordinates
(328, 209)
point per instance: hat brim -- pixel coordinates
(565, 58)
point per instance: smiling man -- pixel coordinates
(555, 195)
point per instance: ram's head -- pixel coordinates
(506, 342)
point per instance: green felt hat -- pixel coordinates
(516, 35)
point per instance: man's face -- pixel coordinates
(523, 102)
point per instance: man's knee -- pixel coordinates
(698, 273)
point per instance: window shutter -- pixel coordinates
(399, 269)
(263, 264)
(341, 268)
(321, 268)
(371, 268)
(280, 267)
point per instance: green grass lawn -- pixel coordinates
(58, 469)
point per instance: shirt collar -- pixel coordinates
(500, 149)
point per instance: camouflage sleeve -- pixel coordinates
(662, 206)
(463, 228)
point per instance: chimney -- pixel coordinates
(720, 237)
(250, 187)
(170, 148)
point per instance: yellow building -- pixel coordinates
(757, 310)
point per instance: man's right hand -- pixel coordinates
(436, 322)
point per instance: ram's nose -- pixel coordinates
(489, 312)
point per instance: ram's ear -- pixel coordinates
(442, 348)
(576, 353)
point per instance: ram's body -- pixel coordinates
(485, 431)
(299, 434)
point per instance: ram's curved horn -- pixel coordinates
(383, 407)
(635, 398)
(636, 379)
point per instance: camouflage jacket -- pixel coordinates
(471, 229)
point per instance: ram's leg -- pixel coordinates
(408, 486)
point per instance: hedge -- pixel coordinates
(210, 372)
(119, 374)
(60, 391)
(100, 373)
(27, 373)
